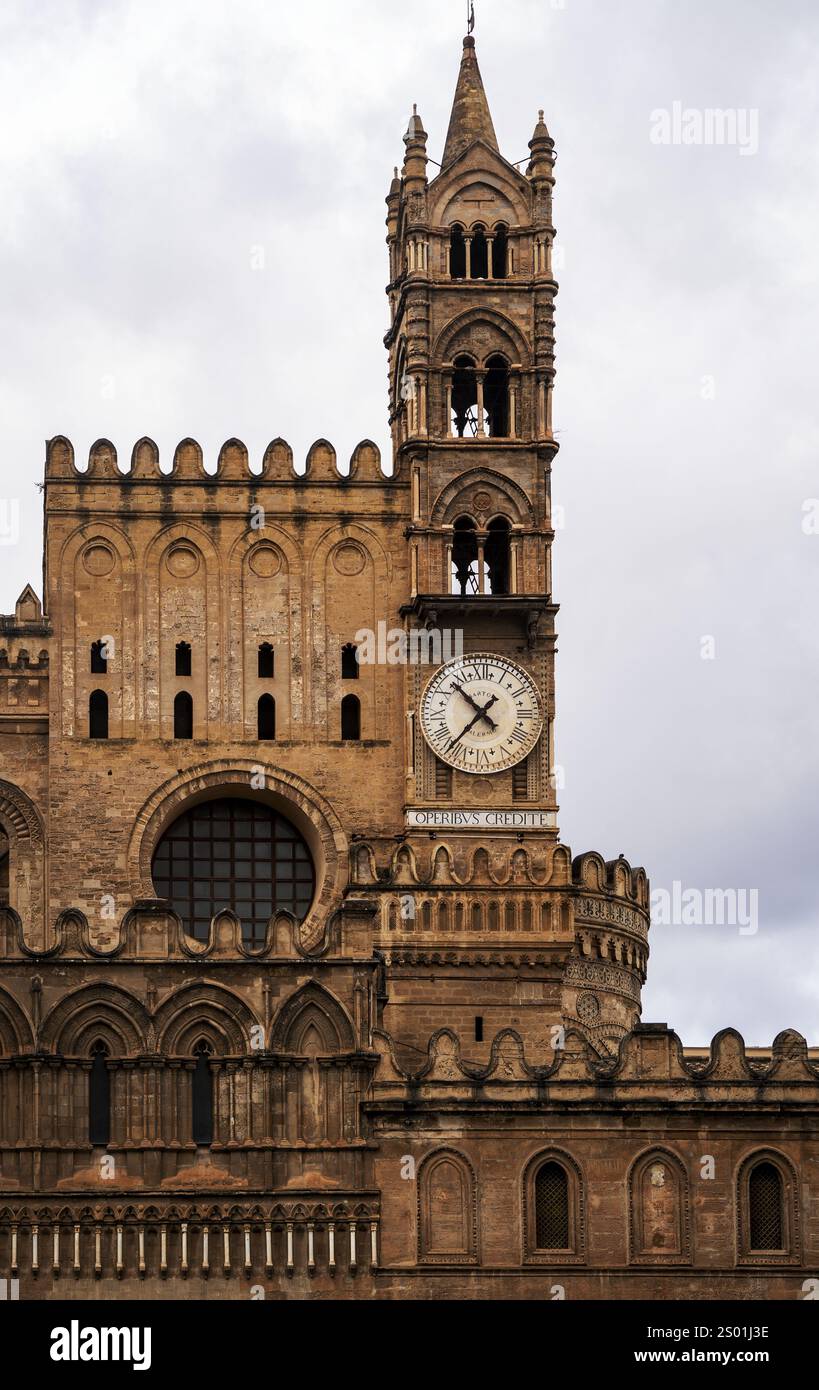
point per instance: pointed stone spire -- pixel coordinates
(470, 119)
(542, 146)
(415, 159)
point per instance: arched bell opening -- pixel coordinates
(465, 576)
(497, 556)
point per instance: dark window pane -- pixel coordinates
(237, 854)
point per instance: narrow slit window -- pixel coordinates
(99, 658)
(266, 718)
(183, 658)
(351, 717)
(98, 714)
(349, 662)
(99, 1097)
(183, 715)
(202, 1096)
(267, 662)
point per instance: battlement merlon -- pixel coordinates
(233, 465)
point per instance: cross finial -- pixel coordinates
(470, 16)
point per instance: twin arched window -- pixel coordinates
(480, 399)
(481, 564)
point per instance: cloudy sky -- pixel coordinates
(192, 242)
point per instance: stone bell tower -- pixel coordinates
(471, 352)
(488, 922)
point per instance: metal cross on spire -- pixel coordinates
(470, 16)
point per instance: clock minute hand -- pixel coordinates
(475, 705)
(480, 715)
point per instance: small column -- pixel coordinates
(513, 567)
(55, 1257)
(448, 578)
(541, 409)
(183, 1265)
(216, 1072)
(479, 407)
(374, 1244)
(268, 1247)
(97, 1252)
(206, 1251)
(226, 1250)
(481, 580)
(353, 1260)
(141, 1251)
(468, 250)
(119, 1261)
(449, 429)
(163, 1250)
(14, 1251)
(289, 1266)
(421, 387)
(331, 1241)
(35, 1250)
(489, 242)
(76, 1249)
(548, 393)
(311, 1253)
(513, 410)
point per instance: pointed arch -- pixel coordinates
(16, 1032)
(312, 1007)
(96, 1012)
(207, 1013)
(507, 498)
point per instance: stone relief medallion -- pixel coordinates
(588, 1008)
(482, 501)
(182, 561)
(98, 560)
(349, 559)
(265, 561)
(657, 1175)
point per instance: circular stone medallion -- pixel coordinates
(98, 560)
(182, 561)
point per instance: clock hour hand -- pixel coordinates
(480, 715)
(475, 705)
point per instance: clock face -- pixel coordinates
(481, 713)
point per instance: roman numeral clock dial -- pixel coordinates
(481, 713)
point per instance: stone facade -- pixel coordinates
(431, 1079)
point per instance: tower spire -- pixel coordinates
(471, 119)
